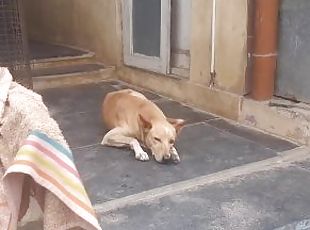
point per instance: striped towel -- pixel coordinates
(51, 165)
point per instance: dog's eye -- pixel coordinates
(157, 139)
(171, 141)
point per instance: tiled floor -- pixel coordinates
(206, 146)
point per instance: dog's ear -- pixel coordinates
(145, 124)
(177, 123)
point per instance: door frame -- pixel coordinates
(157, 64)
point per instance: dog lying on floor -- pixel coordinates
(132, 118)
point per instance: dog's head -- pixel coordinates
(160, 136)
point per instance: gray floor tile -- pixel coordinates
(81, 129)
(150, 95)
(69, 100)
(266, 140)
(263, 201)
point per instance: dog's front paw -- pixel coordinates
(174, 155)
(142, 156)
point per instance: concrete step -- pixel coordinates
(62, 61)
(283, 118)
(46, 55)
(52, 77)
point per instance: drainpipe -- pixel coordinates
(265, 49)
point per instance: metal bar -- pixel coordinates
(212, 72)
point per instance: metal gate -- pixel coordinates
(293, 77)
(13, 41)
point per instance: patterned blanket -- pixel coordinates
(51, 165)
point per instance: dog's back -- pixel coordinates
(122, 108)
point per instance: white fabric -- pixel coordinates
(5, 83)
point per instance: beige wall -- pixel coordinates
(89, 24)
(230, 46)
(201, 41)
(231, 61)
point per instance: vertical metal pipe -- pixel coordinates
(212, 72)
(265, 49)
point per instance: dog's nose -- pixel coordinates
(167, 156)
(169, 161)
(161, 160)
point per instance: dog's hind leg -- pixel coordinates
(119, 137)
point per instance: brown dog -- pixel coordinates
(131, 118)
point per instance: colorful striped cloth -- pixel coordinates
(51, 165)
